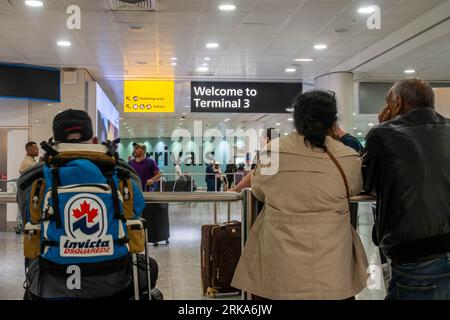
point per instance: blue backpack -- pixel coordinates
(85, 208)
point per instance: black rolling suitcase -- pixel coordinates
(157, 216)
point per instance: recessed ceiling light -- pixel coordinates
(187, 106)
(34, 3)
(204, 64)
(173, 63)
(366, 10)
(226, 120)
(135, 28)
(340, 30)
(184, 113)
(212, 45)
(354, 113)
(359, 133)
(278, 124)
(202, 69)
(124, 123)
(355, 128)
(174, 58)
(409, 71)
(304, 59)
(207, 58)
(227, 7)
(320, 46)
(64, 43)
(290, 119)
(370, 124)
(286, 133)
(290, 69)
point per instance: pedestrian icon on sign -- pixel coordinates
(142, 106)
(135, 106)
(149, 106)
(135, 98)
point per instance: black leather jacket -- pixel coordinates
(407, 164)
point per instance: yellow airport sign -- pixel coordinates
(149, 96)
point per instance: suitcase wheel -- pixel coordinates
(212, 292)
(155, 244)
(167, 241)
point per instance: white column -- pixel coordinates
(342, 84)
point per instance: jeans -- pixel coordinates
(428, 280)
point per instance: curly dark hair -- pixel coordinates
(315, 113)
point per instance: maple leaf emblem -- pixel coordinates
(85, 210)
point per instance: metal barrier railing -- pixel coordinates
(249, 210)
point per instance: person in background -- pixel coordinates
(407, 165)
(218, 176)
(240, 174)
(146, 168)
(349, 140)
(302, 245)
(210, 176)
(230, 169)
(130, 158)
(30, 158)
(178, 172)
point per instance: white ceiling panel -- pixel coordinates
(281, 7)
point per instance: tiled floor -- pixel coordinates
(179, 262)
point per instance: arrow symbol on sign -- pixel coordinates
(128, 106)
(128, 99)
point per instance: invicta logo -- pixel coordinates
(86, 224)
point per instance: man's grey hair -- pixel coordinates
(416, 93)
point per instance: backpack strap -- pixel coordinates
(55, 198)
(36, 198)
(126, 189)
(115, 195)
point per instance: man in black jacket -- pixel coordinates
(407, 164)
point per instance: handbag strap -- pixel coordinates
(347, 189)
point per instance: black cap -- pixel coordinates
(72, 121)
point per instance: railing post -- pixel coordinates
(248, 214)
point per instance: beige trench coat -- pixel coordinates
(302, 245)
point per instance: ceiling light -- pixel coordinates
(354, 113)
(359, 133)
(135, 28)
(278, 124)
(320, 46)
(212, 45)
(286, 133)
(409, 71)
(290, 69)
(64, 43)
(34, 3)
(184, 113)
(370, 124)
(202, 69)
(304, 60)
(174, 58)
(207, 58)
(355, 128)
(226, 120)
(366, 10)
(290, 119)
(173, 63)
(340, 30)
(227, 7)
(124, 123)
(204, 64)
(187, 106)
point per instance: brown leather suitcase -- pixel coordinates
(220, 253)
